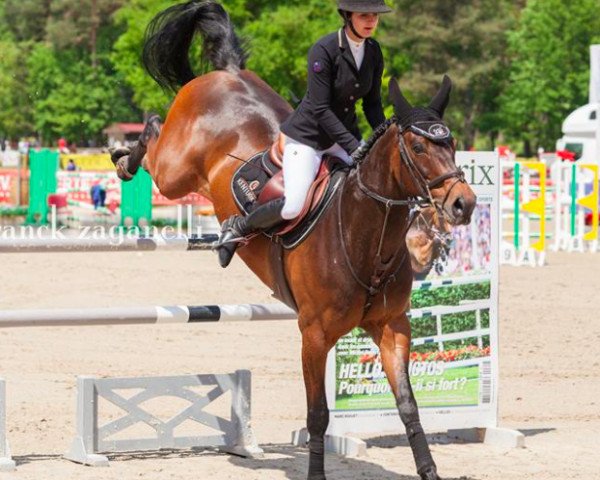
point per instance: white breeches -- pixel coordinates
(300, 167)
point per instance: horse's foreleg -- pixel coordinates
(127, 161)
(394, 343)
(314, 359)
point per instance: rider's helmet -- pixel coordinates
(347, 7)
(363, 6)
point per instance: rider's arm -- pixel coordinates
(320, 82)
(372, 101)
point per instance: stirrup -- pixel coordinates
(220, 242)
(229, 227)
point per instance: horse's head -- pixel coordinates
(427, 151)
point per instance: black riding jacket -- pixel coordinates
(327, 113)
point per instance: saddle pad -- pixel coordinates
(249, 180)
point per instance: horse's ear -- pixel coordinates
(401, 106)
(442, 97)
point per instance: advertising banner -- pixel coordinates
(8, 186)
(10, 158)
(77, 186)
(454, 319)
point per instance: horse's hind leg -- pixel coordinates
(394, 343)
(127, 161)
(314, 359)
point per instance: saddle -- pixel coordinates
(260, 180)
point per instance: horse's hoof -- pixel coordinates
(430, 474)
(117, 153)
(122, 172)
(317, 477)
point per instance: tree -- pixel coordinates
(549, 74)
(15, 107)
(78, 23)
(26, 19)
(73, 99)
(279, 48)
(466, 41)
(134, 16)
(127, 52)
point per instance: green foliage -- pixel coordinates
(26, 19)
(451, 295)
(70, 67)
(279, 47)
(73, 99)
(126, 56)
(15, 110)
(466, 40)
(549, 74)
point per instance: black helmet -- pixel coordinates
(363, 6)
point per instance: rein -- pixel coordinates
(381, 277)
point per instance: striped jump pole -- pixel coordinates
(118, 244)
(145, 315)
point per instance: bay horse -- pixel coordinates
(354, 269)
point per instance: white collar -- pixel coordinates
(353, 44)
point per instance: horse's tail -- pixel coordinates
(170, 34)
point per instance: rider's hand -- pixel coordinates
(359, 153)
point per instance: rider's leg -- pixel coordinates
(237, 227)
(300, 168)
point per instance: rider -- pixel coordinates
(343, 67)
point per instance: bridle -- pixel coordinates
(382, 275)
(424, 186)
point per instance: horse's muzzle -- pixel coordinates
(459, 204)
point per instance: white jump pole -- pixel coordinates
(145, 315)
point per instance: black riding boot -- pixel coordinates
(236, 228)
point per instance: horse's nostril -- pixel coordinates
(459, 206)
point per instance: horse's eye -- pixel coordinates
(418, 148)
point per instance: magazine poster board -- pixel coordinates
(454, 319)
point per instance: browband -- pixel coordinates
(434, 131)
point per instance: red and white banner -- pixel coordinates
(77, 185)
(8, 187)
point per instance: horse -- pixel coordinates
(428, 241)
(353, 270)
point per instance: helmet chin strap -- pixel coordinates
(348, 18)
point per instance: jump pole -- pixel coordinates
(145, 315)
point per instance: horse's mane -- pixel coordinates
(376, 135)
